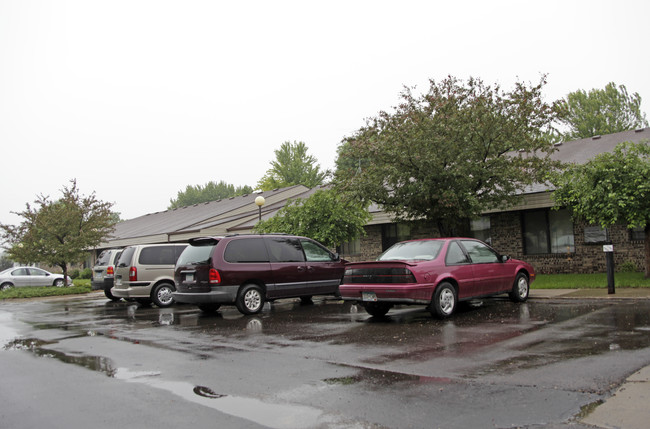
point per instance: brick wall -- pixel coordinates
(507, 238)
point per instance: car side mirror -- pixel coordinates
(336, 257)
(505, 258)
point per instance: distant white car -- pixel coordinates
(30, 276)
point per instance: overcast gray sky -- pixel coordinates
(137, 99)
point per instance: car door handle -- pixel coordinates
(301, 269)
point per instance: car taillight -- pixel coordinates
(133, 274)
(109, 270)
(214, 276)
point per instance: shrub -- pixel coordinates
(87, 273)
(74, 274)
(627, 267)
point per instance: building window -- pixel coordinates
(595, 235)
(350, 248)
(548, 231)
(637, 234)
(481, 229)
(394, 233)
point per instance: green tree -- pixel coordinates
(451, 153)
(601, 111)
(324, 216)
(612, 188)
(292, 166)
(59, 232)
(211, 191)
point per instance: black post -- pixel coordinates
(609, 255)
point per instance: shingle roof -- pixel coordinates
(234, 214)
(582, 150)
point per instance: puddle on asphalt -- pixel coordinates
(37, 347)
(377, 377)
(266, 414)
(7, 332)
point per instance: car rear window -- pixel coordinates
(198, 254)
(104, 258)
(246, 250)
(413, 251)
(126, 257)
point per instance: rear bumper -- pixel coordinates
(105, 284)
(395, 293)
(220, 295)
(132, 291)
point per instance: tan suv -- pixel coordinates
(146, 273)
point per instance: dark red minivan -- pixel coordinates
(247, 270)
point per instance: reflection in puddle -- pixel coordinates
(35, 346)
(263, 413)
(7, 333)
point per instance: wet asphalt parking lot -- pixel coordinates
(70, 362)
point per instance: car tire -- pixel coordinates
(306, 300)
(161, 295)
(250, 299)
(6, 286)
(377, 309)
(520, 289)
(209, 308)
(110, 296)
(58, 283)
(445, 301)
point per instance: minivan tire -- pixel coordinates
(110, 296)
(250, 299)
(161, 295)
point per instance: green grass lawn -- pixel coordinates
(79, 286)
(588, 281)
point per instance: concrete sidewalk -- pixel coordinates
(628, 407)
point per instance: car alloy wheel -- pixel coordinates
(162, 295)
(444, 300)
(520, 289)
(250, 299)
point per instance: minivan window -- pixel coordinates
(125, 258)
(316, 253)
(246, 250)
(158, 255)
(196, 255)
(283, 249)
(104, 258)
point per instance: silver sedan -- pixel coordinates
(30, 276)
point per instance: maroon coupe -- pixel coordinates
(438, 272)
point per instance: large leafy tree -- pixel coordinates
(612, 188)
(59, 232)
(324, 216)
(451, 153)
(211, 191)
(292, 166)
(601, 111)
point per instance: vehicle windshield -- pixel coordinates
(196, 255)
(426, 250)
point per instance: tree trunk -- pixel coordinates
(647, 250)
